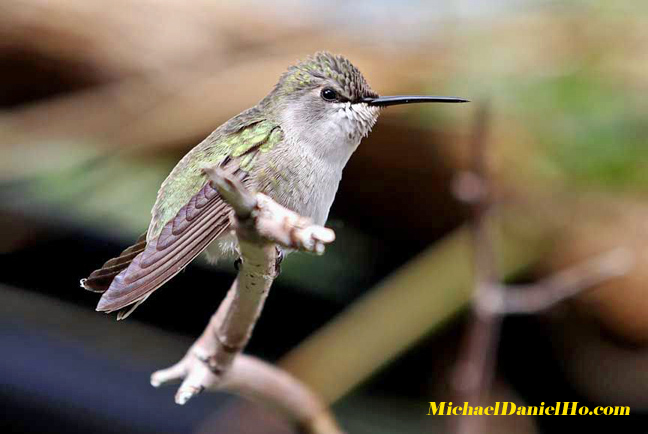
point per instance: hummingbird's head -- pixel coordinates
(325, 93)
(325, 100)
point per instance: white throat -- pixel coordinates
(334, 138)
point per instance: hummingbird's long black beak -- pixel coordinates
(384, 101)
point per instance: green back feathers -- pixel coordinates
(241, 139)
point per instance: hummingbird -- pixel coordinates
(292, 146)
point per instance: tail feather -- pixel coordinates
(126, 311)
(100, 280)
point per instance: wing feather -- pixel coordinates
(99, 280)
(166, 255)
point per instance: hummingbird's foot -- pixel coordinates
(237, 263)
(280, 257)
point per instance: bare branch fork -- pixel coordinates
(492, 300)
(214, 361)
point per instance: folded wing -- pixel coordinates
(188, 215)
(197, 224)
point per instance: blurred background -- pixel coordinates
(99, 100)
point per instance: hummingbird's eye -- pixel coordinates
(329, 94)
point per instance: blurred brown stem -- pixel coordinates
(492, 300)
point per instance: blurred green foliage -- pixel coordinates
(592, 130)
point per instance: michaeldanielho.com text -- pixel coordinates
(510, 409)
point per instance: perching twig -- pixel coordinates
(215, 362)
(492, 299)
(265, 219)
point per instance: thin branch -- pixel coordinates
(258, 380)
(214, 361)
(568, 283)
